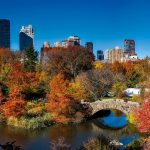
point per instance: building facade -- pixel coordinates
(100, 55)
(71, 41)
(4, 33)
(114, 55)
(26, 37)
(57, 44)
(129, 47)
(44, 53)
(74, 40)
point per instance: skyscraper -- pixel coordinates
(4, 33)
(100, 55)
(26, 37)
(129, 47)
(89, 45)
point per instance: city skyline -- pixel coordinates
(107, 26)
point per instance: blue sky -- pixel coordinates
(104, 22)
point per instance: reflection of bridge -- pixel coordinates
(112, 133)
(125, 107)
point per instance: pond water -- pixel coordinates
(111, 125)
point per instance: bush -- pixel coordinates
(35, 109)
(14, 108)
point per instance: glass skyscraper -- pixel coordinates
(4, 33)
(26, 37)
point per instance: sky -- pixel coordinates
(104, 22)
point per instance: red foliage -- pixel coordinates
(142, 118)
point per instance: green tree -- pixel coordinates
(30, 59)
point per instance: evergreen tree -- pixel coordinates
(30, 59)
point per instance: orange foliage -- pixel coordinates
(59, 100)
(14, 108)
(19, 80)
(6, 56)
(118, 67)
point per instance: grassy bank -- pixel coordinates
(30, 123)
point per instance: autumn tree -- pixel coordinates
(98, 64)
(118, 68)
(14, 108)
(96, 83)
(70, 61)
(133, 76)
(20, 81)
(59, 99)
(119, 85)
(134, 72)
(142, 117)
(6, 58)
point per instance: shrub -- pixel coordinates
(14, 108)
(35, 109)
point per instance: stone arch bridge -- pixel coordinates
(125, 106)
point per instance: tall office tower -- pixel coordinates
(129, 47)
(89, 46)
(4, 33)
(26, 37)
(100, 55)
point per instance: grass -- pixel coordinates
(29, 123)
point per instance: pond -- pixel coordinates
(111, 124)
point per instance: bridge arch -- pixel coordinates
(121, 105)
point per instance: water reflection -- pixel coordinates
(116, 119)
(74, 135)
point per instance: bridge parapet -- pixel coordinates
(124, 106)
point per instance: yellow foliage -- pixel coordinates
(36, 110)
(137, 98)
(98, 65)
(77, 91)
(43, 76)
(131, 118)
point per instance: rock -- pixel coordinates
(115, 143)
